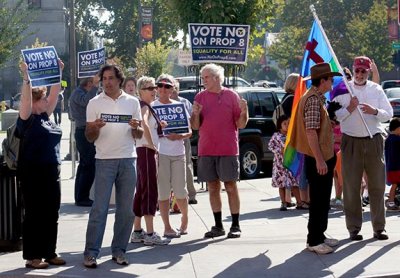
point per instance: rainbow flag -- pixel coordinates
(316, 51)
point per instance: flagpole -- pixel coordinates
(337, 63)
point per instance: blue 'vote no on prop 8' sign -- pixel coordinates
(219, 43)
(43, 66)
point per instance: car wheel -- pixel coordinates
(250, 161)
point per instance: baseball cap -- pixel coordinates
(362, 62)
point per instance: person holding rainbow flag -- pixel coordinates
(313, 124)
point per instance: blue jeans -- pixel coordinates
(86, 168)
(122, 173)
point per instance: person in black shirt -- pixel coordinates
(39, 172)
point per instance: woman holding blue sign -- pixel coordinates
(172, 162)
(39, 172)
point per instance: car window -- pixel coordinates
(189, 96)
(254, 105)
(390, 84)
(267, 104)
(262, 104)
(241, 83)
(187, 84)
(393, 93)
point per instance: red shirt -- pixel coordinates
(218, 131)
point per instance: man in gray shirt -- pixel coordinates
(78, 101)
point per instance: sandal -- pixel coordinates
(172, 235)
(303, 205)
(182, 232)
(215, 232)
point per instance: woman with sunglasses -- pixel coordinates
(172, 164)
(145, 200)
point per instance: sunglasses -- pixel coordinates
(360, 70)
(151, 88)
(166, 86)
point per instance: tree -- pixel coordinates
(288, 49)
(151, 59)
(368, 36)
(13, 22)
(338, 18)
(121, 31)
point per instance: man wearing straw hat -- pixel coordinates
(312, 122)
(362, 148)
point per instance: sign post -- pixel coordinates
(396, 45)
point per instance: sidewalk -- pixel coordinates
(272, 242)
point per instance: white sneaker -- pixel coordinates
(138, 236)
(120, 259)
(155, 239)
(331, 242)
(320, 249)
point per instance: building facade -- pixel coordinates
(49, 25)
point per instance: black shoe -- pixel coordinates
(355, 236)
(215, 232)
(234, 232)
(87, 203)
(193, 202)
(379, 235)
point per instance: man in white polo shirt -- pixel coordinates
(113, 123)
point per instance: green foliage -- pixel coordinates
(353, 27)
(288, 49)
(121, 31)
(368, 36)
(13, 22)
(253, 66)
(151, 60)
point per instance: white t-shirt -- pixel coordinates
(169, 147)
(115, 139)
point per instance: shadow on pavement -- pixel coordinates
(248, 267)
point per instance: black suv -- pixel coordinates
(254, 138)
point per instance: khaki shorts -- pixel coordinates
(171, 175)
(223, 168)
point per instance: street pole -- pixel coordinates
(72, 62)
(140, 25)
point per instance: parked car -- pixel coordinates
(393, 95)
(254, 138)
(265, 84)
(193, 82)
(390, 84)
